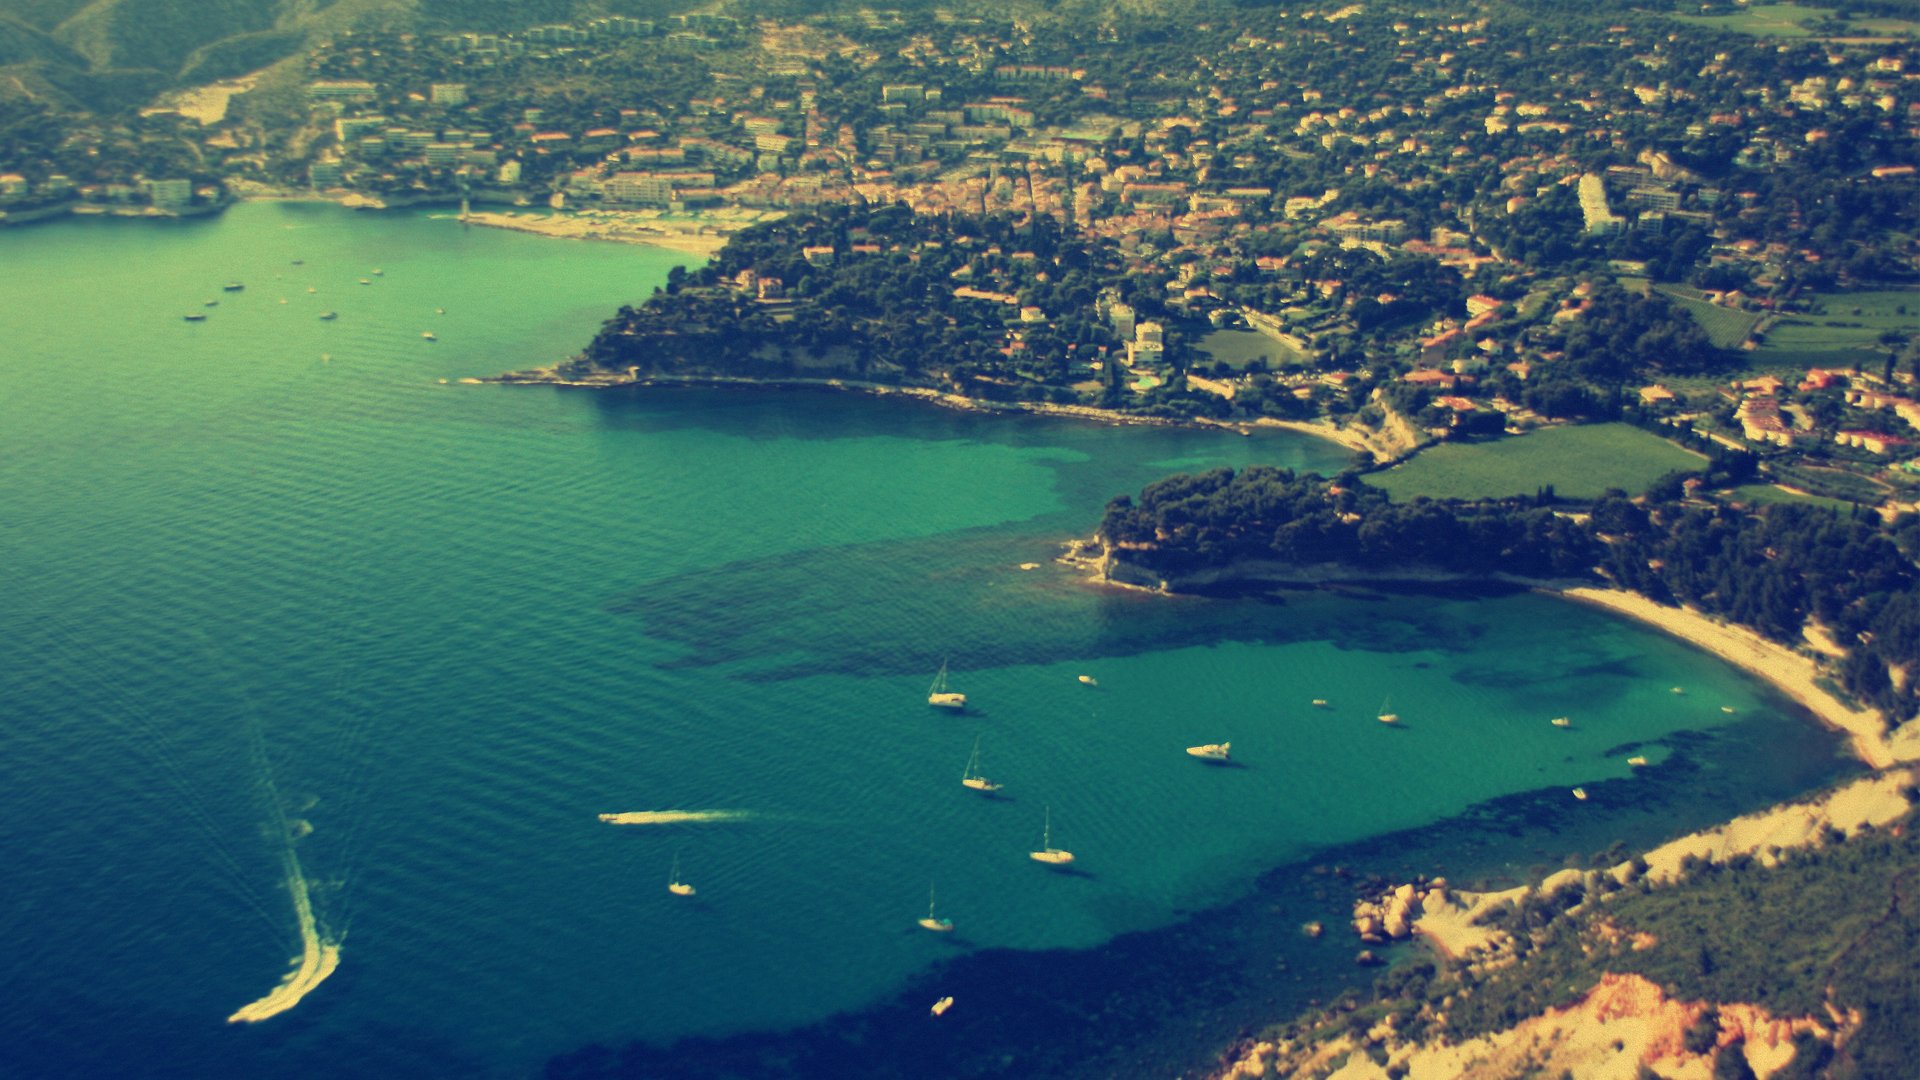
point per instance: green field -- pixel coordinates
(1725, 327)
(1577, 462)
(1239, 348)
(1765, 494)
(1790, 21)
(1846, 321)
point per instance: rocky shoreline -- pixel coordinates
(1626, 1020)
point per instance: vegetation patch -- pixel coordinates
(1576, 462)
(1770, 494)
(1852, 323)
(1726, 327)
(1242, 349)
(1796, 21)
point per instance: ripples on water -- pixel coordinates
(463, 622)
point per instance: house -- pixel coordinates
(1439, 380)
(1873, 442)
(1436, 347)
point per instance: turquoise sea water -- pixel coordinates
(268, 575)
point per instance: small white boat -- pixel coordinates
(329, 315)
(1580, 793)
(364, 281)
(1088, 680)
(1637, 761)
(1728, 709)
(377, 272)
(1679, 689)
(1561, 721)
(1213, 751)
(1321, 703)
(428, 335)
(283, 299)
(439, 311)
(674, 884)
(1387, 715)
(970, 776)
(311, 289)
(1049, 854)
(938, 926)
(940, 1007)
(195, 316)
(940, 697)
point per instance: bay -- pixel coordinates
(271, 575)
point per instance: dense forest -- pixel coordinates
(1186, 523)
(1776, 570)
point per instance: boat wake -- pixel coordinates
(318, 957)
(672, 817)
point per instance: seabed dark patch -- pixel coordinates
(1172, 1001)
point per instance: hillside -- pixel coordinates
(114, 54)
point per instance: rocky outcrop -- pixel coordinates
(1623, 1025)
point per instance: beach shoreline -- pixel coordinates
(932, 396)
(1792, 673)
(698, 235)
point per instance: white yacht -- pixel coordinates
(940, 697)
(1049, 854)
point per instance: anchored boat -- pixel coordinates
(1049, 854)
(940, 697)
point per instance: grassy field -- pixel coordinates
(1764, 494)
(1844, 321)
(1833, 483)
(1238, 348)
(1577, 462)
(1725, 327)
(1790, 21)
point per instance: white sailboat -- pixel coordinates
(1211, 751)
(938, 926)
(940, 697)
(1049, 854)
(970, 777)
(1561, 721)
(674, 884)
(1387, 715)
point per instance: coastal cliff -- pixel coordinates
(1670, 964)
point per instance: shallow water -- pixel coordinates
(268, 566)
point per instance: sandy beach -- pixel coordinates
(1358, 439)
(1792, 673)
(701, 235)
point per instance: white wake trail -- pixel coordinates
(318, 957)
(672, 817)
